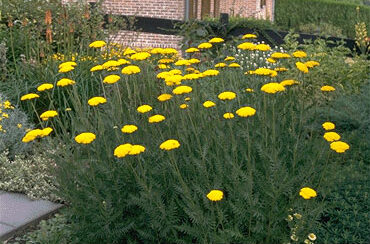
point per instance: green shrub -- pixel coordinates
(31, 175)
(295, 13)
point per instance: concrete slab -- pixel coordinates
(19, 211)
(5, 229)
(2, 192)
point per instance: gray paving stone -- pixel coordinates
(18, 210)
(5, 229)
(2, 192)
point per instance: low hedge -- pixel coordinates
(294, 13)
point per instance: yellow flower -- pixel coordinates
(307, 193)
(172, 80)
(263, 71)
(182, 90)
(68, 109)
(328, 126)
(339, 146)
(29, 96)
(156, 118)
(67, 64)
(272, 88)
(122, 150)
(183, 106)
(234, 65)
(247, 46)
(136, 149)
(263, 47)
(111, 64)
(19, 126)
(5, 115)
(215, 195)
(288, 82)
(249, 36)
(128, 51)
(163, 66)
(98, 44)
(271, 60)
(249, 90)
(182, 62)
(192, 50)
(297, 215)
(48, 114)
(165, 61)
(45, 132)
(228, 115)
(31, 135)
(85, 138)
(194, 61)
(246, 111)
(210, 72)
(66, 69)
(327, 88)
(220, 65)
(7, 105)
(140, 56)
(128, 129)
(209, 104)
(299, 54)
(95, 101)
(311, 64)
(123, 61)
(187, 99)
(331, 136)
(278, 55)
(170, 145)
(229, 58)
(144, 108)
(111, 79)
(312, 236)
(45, 86)
(131, 69)
(227, 95)
(280, 69)
(97, 68)
(65, 82)
(204, 45)
(216, 40)
(302, 67)
(164, 97)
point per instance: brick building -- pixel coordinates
(181, 10)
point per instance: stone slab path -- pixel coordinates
(17, 212)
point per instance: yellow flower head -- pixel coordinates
(172, 80)
(278, 55)
(111, 79)
(183, 62)
(210, 72)
(65, 82)
(331, 136)
(140, 56)
(48, 114)
(216, 40)
(170, 145)
(228, 115)
(215, 195)
(249, 36)
(69, 63)
(122, 150)
(163, 66)
(205, 45)
(249, 90)
(144, 108)
(311, 64)
(288, 82)
(307, 193)
(136, 149)
(85, 138)
(220, 65)
(29, 96)
(271, 60)
(183, 106)
(263, 47)
(165, 61)
(192, 50)
(299, 54)
(209, 104)
(247, 46)
(45, 86)
(327, 88)
(194, 61)
(95, 101)
(131, 69)
(19, 126)
(227, 95)
(31, 135)
(229, 58)
(98, 44)
(272, 88)
(328, 126)
(97, 68)
(311, 236)
(45, 132)
(182, 90)
(156, 118)
(128, 129)
(234, 65)
(111, 64)
(302, 67)
(66, 69)
(339, 146)
(246, 111)
(164, 97)
(5, 115)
